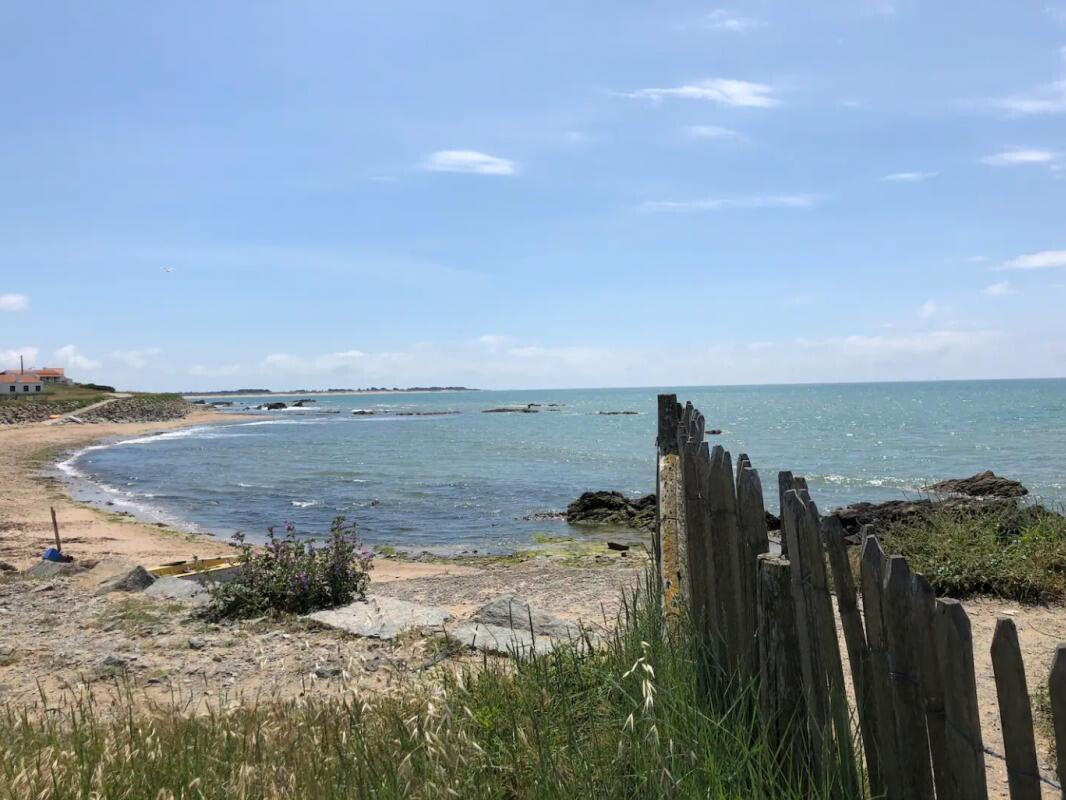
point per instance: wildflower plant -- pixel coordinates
(291, 574)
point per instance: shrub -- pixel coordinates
(1018, 553)
(292, 575)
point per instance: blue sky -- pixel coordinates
(206, 195)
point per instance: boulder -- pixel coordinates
(5, 567)
(612, 508)
(381, 617)
(135, 580)
(50, 569)
(277, 406)
(983, 484)
(508, 625)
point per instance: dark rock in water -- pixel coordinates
(136, 580)
(425, 413)
(714, 432)
(511, 410)
(772, 523)
(983, 484)
(612, 508)
(854, 517)
(277, 406)
(302, 403)
(617, 413)
(617, 546)
(363, 412)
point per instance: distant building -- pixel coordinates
(12, 383)
(42, 375)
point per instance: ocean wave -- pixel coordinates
(304, 503)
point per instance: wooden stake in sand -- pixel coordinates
(55, 529)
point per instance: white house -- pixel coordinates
(12, 383)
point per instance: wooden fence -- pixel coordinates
(771, 617)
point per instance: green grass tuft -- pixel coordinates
(1017, 554)
(646, 716)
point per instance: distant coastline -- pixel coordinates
(327, 392)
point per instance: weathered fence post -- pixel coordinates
(781, 703)
(725, 553)
(858, 654)
(965, 751)
(1056, 685)
(1015, 713)
(924, 621)
(872, 574)
(784, 485)
(751, 519)
(912, 741)
(668, 501)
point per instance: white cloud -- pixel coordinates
(998, 289)
(321, 364)
(731, 203)
(70, 357)
(1047, 99)
(470, 161)
(136, 358)
(10, 358)
(722, 20)
(1016, 156)
(710, 132)
(725, 91)
(927, 310)
(14, 302)
(909, 177)
(1045, 259)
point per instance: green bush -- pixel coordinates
(292, 575)
(1015, 553)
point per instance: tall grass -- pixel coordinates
(647, 715)
(1018, 553)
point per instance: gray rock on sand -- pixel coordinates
(380, 617)
(135, 580)
(171, 588)
(51, 569)
(509, 626)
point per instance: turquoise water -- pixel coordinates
(465, 481)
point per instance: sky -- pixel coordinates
(206, 195)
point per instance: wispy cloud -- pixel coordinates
(1020, 156)
(711, 132)
(14, 302)
(469, 161)
(329, 362)
(927, 310)
(10, 358)
(69, 356)
(725, 91)
(1045, 259)
(999, 289)
(731, 203)
(723, 20)
(1047, 99)
(136, 358)
(909, 177)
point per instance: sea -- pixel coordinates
(417, 479)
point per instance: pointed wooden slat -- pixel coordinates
(1057, 696)
(1015, 712)
(725, 547)
(781, 702)
(751, 519)
(695, 543)
(784, 485)
(872, 574)
(912, 742)
(923, 615)
(965, 751)
(858, 654)
(666, 440)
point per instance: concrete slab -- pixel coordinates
(381, 617)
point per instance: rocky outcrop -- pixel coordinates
(276, 406)
(983, 484)
(617, 413)
(135, 580)
(140, 408)
(612, 508)
(530, 409)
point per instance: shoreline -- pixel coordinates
(347, 393)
